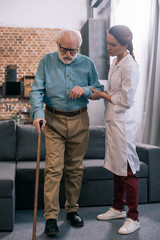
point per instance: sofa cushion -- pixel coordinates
(27, 141)
(143, 151)
(94, 170)
(96, 143)
(26, 171)
(7, 140)
(144, 172)
(7, 178)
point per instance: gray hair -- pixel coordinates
(69, 31)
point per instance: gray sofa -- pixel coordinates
(18, 153)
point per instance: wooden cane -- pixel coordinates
(36, 183)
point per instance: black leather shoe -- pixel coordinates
(51, 227)
(75, 219)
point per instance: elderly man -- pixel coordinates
(61, 82)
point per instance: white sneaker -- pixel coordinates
(111, 214)
(129, 226)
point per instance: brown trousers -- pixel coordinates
(66, 144)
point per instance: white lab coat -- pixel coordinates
(120, 117)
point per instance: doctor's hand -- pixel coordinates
(96, 94)
(76, 92)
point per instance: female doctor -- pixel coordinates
(121, 157)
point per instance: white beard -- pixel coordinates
(66, 60)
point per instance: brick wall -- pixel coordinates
(23, 47)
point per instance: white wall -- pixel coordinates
(43, 13)
(96, 109)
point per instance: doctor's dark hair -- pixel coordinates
(124, 36)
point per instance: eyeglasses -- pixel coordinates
(65, 50)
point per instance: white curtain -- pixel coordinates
(136, 15)
(151, 133)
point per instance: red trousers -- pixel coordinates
(126, 186)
